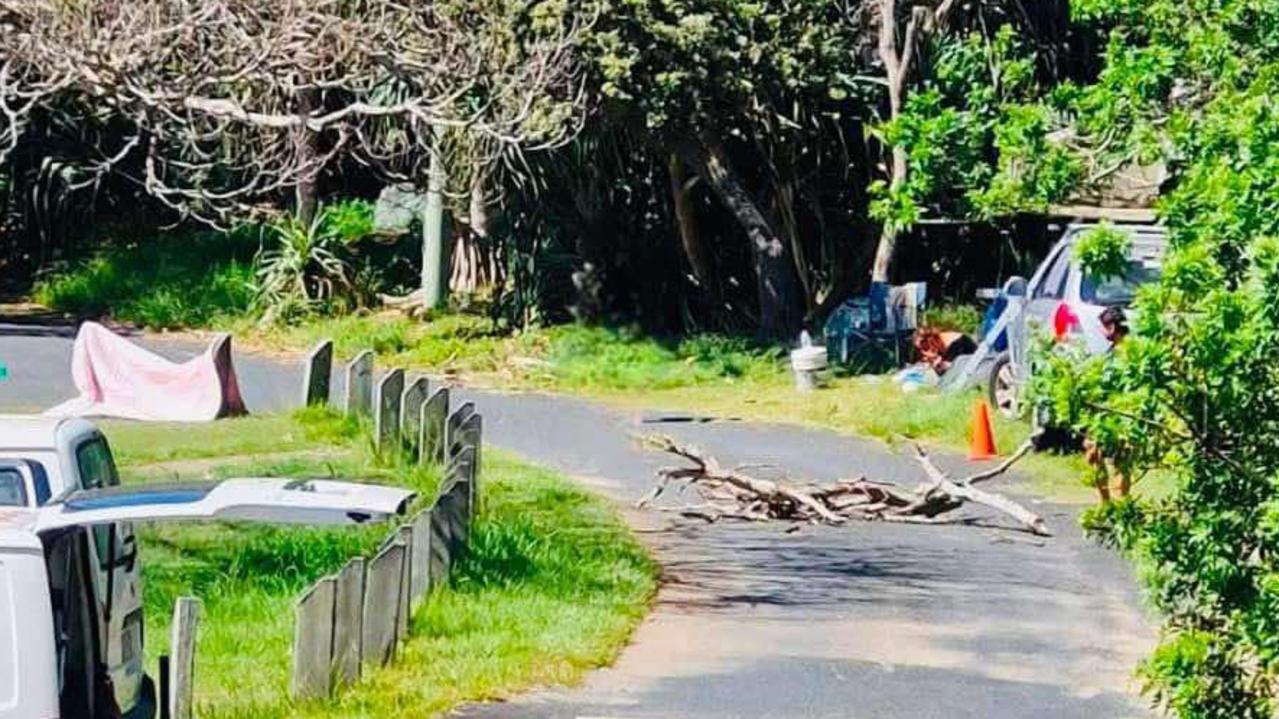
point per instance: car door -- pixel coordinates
(117, 578)
(272, 500)
(1048, 287)
(246, 499)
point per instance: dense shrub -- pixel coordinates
(1193, 392)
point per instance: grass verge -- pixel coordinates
(554, 584)
(704, 375)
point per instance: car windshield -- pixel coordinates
(1119, 289)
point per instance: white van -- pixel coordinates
(59, 456)
(67, 649)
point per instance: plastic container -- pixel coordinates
(809, 363)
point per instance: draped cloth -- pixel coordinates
(117, 378)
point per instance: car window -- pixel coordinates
(13, 490)
(40, 478)
(1118, 290)
(97, 470)
(1053, 285)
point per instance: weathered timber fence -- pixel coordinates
(355, 620)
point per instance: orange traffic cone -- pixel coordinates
(981, 433)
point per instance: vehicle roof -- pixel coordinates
(38, 432)
(1139, 233)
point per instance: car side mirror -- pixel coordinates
(1015, 286)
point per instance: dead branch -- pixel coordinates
(735, 494)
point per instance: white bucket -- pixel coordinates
(809, 365)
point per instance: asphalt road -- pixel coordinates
(867, 620)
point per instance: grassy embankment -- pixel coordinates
(706, 375)
(553, 586)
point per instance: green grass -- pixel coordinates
(705, 375)
(554, 584)
(198, 281)
(177, 280)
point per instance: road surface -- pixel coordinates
(867, 620)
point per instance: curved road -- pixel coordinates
(868, 620)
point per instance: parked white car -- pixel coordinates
(1060, 297)
(71, 639)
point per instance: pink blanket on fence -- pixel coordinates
(117, 378)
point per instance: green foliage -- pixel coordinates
(1103, 251)
(976, 143)
(598, 357)
(964, 318)
(350, 220)
(689, 65)
(176, 280)
(306, 268)
(1193, 391)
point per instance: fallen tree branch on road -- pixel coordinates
(733, 493)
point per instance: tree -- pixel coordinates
(1192, 392)
(229, 102)
(897, 51)
(706, 80)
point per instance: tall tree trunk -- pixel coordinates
(306, 196)
(780, 304)
(433, 280)
(899, 61)
(475, 261)
(695, 250)
(888, 234)
(788, 224)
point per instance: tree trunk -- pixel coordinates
(780, 305)
(433, 281)
(694, 245)
(788, 223)
(475, 261)
(888, 234)
(306, 195)
(899, 61)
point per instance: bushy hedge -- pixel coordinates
(1196, 389)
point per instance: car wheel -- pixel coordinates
(1002, 388)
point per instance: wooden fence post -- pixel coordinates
(441, 561)
(313, 641)
(348, 620)
(471, 435)
(404, 606)
(359, 384)
(315, 381)
(434, 416)
(387, 409)
(453, 427)
(420, 557)
(186, 619)
(381, 600)
(411, 403)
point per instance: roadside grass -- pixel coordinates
(554, 584)
(192, 281)
(706, 375)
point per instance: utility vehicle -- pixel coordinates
(1061, 296)
(71, 623)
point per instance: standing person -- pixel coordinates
(1114, 325)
